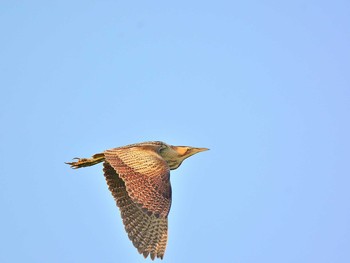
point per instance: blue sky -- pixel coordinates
(264, 84)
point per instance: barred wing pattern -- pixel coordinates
(140, 184)
(146, 175)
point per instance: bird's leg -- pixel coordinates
(84, 162)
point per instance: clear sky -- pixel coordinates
(264, 84)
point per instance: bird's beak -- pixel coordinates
(187, 151)
(198, 150)
(194, 150)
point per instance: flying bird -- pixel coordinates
(138, 176)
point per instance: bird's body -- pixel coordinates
(138, 176)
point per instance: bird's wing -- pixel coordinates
(146, 176)
(147, 232)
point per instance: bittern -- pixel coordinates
(138, 176)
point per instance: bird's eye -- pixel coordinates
(162, 147)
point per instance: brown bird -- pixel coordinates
(138, 176)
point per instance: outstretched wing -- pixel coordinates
(147, 232)
(146, 176)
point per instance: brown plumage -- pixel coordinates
(138, 176)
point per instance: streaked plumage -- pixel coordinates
(138, 176)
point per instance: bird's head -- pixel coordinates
(174, 155)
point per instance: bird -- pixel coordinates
(138, 177)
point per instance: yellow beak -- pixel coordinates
(187, 151)
(198, 150)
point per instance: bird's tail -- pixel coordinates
(84, 162)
